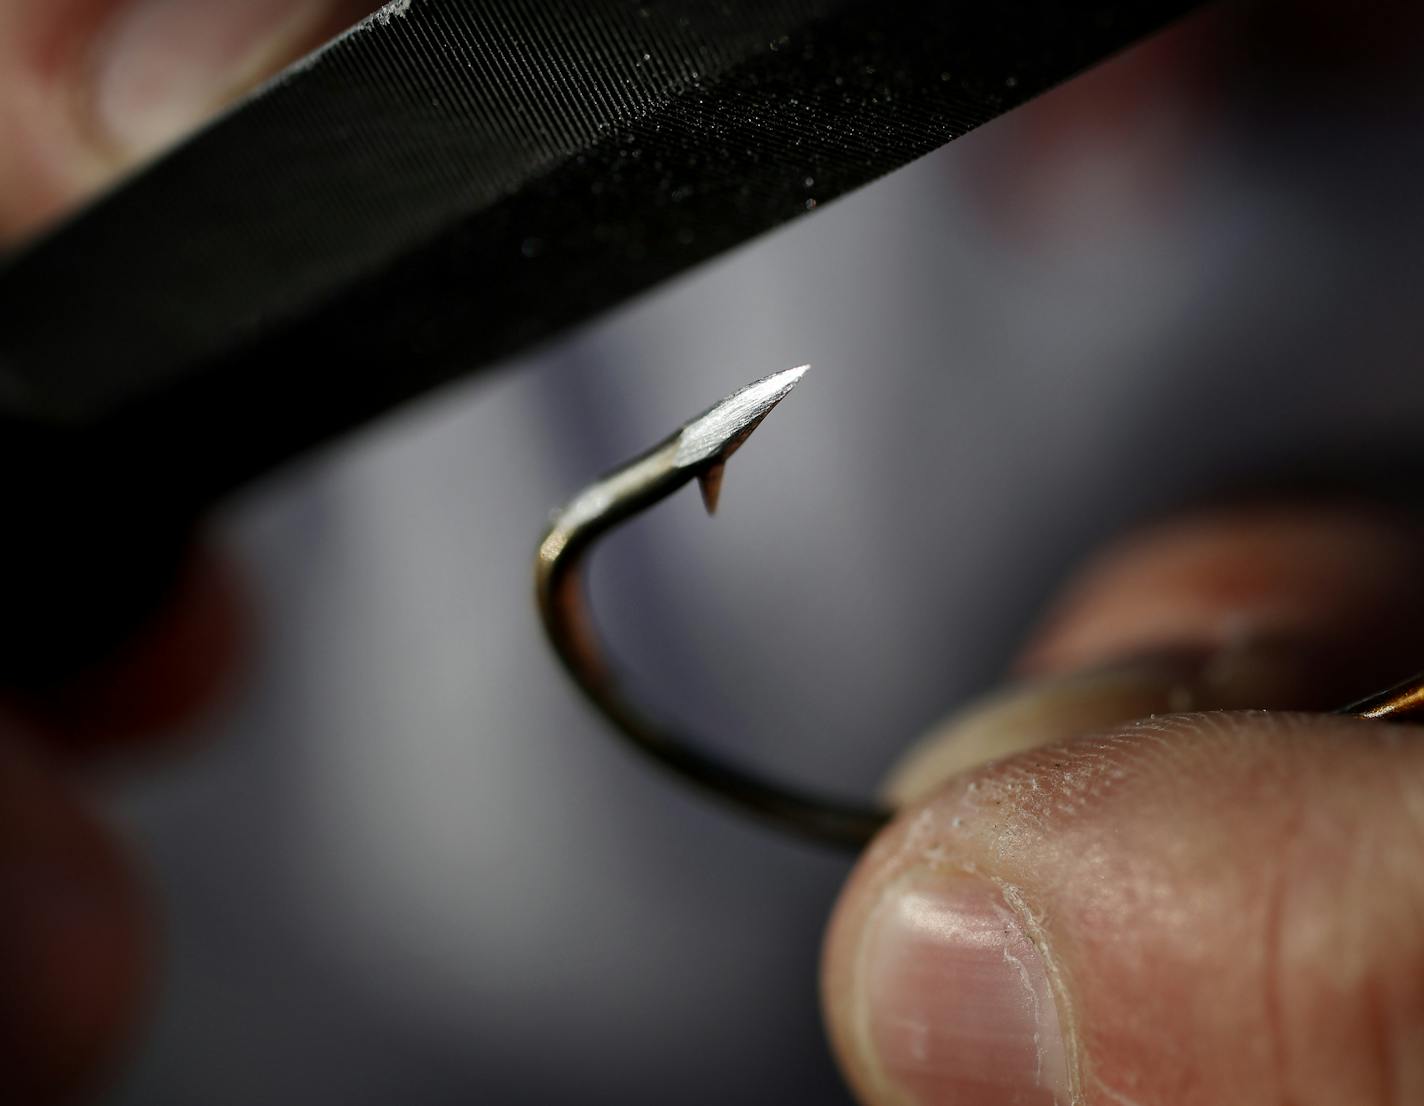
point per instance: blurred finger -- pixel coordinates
(89, 88)
(1283, 606)
(73, 938)
(1339, 581)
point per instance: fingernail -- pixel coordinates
(955, 1000)
(1038, 712)
(162, 67)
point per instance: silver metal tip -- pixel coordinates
(718, 432)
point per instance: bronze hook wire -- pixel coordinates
(699, 451)
(1400, 703)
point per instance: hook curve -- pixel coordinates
(696, 451)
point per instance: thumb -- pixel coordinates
(88, 88)
(1208, 909)
(1192, 909)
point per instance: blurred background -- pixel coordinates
(404, 863)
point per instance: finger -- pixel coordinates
(1285, 606)
(172, 668)
(73, 938)
(88, 88)
(1303, 574)
(1198, 910)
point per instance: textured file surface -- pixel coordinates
(459, 178)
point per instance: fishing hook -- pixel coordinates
(699, 451)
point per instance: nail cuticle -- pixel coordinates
(1033, 928)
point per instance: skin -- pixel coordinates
(1256, 943)
(1225, 903)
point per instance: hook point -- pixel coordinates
(718, 432)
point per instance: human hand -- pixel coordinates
(88, 89)
(1214, 909)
